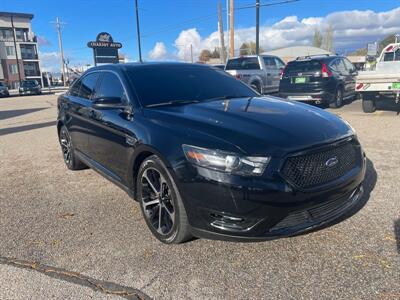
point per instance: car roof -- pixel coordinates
(317, 58)
(145, 65)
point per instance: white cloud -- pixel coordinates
(159, 52)
(352, 29)
(50, 61)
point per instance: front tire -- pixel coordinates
(338, 100)
(161, 204)
(68, 151)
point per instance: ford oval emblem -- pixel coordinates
(333, 161)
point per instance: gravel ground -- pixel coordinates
(94, 235)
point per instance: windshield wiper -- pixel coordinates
(227, 97)
(174, 102)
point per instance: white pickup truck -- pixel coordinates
(382, 83)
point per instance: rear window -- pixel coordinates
(392, 56)
(243, 63)
(303, 66)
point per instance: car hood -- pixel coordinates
(257, 126)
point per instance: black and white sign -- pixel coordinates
(105, 50)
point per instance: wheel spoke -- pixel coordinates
(145, 176)
(170, 212)
(159, 229)
(151, 202)
(64, 143)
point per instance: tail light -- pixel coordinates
(238, 76)
(325, 71)
(282, 71)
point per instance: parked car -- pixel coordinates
(206, 156)
(327, 79)
(30, 87)
(4, 90)
(261, 72)
(384, 82)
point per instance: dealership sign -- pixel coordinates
(105, 50)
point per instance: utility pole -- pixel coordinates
(257, 27)
(138, 31)
(227, 26)
(221, 35)
(60, 45)
(191, 53)
(15, 48)
(231, 30)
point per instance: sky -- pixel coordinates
(169, 27)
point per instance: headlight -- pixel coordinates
(226, 161)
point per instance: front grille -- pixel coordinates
(317, 213)
(310, 170)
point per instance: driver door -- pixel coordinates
(108, 142)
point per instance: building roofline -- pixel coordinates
(20, 15)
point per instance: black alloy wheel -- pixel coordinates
(70, 159)
(161, 204)
(338, 100)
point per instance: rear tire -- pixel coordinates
(368, 105)
(257, 86)
(68, 151)
(160, 202)
(338, 100)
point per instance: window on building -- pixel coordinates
(10, 50)
(13, 69)
(6, 34)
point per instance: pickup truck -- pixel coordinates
(383, 82)
(261, 72)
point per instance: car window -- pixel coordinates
(303, 66)
(338, 66)
(243, 63)
(74, 90)
(392, 56)
(269, 62)
(88, 85)
(349, 66)
(110, 87)
(279, 63)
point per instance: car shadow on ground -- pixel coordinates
(397, 234)
(371, 177)
(11, 130)
(7, 114)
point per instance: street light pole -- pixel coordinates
(138, 31)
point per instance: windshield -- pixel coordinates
(156, 84)
(392, 56)
(303, 66)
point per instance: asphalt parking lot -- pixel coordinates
(68, 234)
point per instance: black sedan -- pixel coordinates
(207, 156)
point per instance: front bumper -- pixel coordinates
(231, 208)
